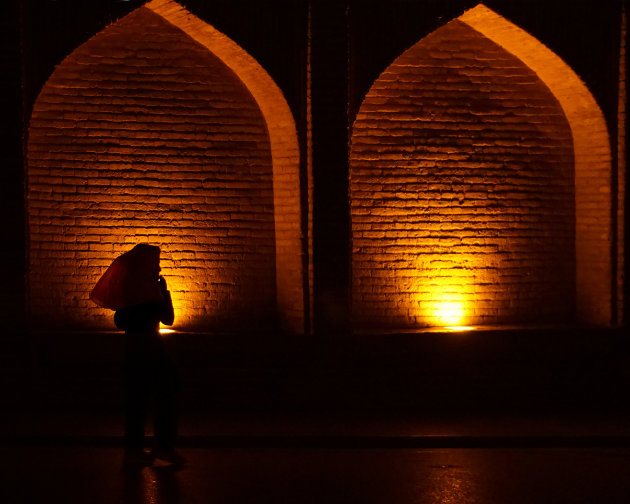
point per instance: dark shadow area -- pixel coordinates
(488, 370)
(154, 485)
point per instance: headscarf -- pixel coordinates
(130, 280)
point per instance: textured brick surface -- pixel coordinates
(461, 190)
(592, 157)
(143, 135)
(284, 153)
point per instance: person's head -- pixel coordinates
(146, 260)
(132, 279)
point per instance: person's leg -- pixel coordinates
(166, 415)
(136, 399)
(165, 407)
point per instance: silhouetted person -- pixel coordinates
(133, 287)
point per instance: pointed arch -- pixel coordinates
(174, 119)
(284, 150)
(591, 145)
(571, 150)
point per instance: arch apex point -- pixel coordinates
(161, 3)
(479, 10)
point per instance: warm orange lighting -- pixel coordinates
(448, 313)
(460, 328)
(466, 209)
(219, 194)
(184, 303)
(446, 290)
(285, 154)
(164, 331)
(592, 157)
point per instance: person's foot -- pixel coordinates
(171, 456)
(138, 458)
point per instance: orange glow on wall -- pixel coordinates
(442, 291)
(284, 152)
(161, 130)
(448, 313)
(462, 191)
(591, 145)
(480, 185)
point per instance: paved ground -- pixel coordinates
(95, 475)
(76, 458)
(107, 427)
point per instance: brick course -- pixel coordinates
(461, 186)
(285, 154)
(592, 161)
(143, 135)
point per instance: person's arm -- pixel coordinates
(167, 315)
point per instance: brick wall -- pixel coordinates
(462, 192)
(285, 155)
(143, 135)
(592, 161)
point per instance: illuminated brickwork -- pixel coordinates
(143, 135)
(284, 153)
(462, 191)
(591, 148)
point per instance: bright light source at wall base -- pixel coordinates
(448, 314)
(164, 331)
(459, 328)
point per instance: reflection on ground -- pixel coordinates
(150, 485)
(95, 475)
